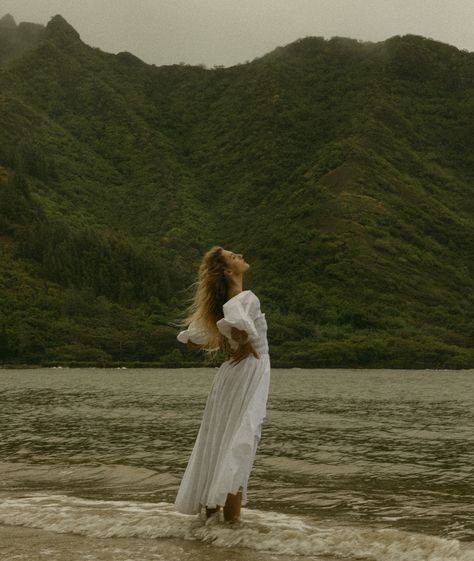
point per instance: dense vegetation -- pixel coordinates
(343, 170)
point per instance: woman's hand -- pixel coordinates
(239, 335)
(193, 346)
(243, 351)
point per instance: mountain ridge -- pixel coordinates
(343, 174)
(58, 27)
(8, 22)
(17, 39)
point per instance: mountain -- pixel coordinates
(15, 39)
(342, 169)
(7, 22)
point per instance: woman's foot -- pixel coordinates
(211, 511)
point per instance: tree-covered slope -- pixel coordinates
(343, 170)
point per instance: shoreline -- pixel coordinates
(171, 366)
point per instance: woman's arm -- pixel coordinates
(245, 347)
(239, 335)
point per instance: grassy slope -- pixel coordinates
(344, 175)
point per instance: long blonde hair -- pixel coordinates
(210, 294)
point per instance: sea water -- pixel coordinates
(352, 464)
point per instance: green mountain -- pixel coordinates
(343, 170)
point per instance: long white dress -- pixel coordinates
(225, 447)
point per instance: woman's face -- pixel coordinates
(235, 261)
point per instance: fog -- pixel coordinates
(227, 32)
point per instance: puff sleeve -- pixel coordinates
(194, 333)
(237, 314)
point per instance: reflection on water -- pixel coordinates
(378, 448)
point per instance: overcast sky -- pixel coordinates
(231, 31)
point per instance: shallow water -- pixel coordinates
(373, 464)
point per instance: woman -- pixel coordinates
(224, 316)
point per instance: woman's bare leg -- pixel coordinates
(211, 511)
(232, 507)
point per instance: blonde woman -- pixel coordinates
(225, 316)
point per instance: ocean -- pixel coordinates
(352, 464)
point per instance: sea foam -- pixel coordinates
(263, 531)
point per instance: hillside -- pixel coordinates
(343, 170)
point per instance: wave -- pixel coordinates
(263, 531)
(109, 475)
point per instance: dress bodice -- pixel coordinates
(261, 343)
(243, 312)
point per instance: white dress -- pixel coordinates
(225, 447)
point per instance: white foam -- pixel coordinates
(259, 530)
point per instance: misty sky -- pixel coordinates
(228, 32)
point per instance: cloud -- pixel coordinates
(231, 31)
